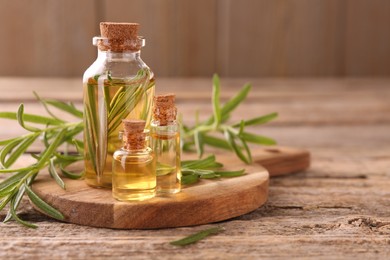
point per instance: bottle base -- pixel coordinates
(133, 195)
(94, 184)
(168, 191)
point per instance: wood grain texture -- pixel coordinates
(287, 38)
(366, 46)
(157, 19)
(281, 38)
(206, 202)
(47, 38)
(196, 41)
(337, 209)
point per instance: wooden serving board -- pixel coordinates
(206, 202)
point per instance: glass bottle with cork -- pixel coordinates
(118, 85)
(134, 165)
(165, 141)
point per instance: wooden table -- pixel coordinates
(340, 207)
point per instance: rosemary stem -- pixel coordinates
(67, 125)
(200, 128)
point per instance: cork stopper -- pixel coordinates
(119, 37)
(133, 134)
(164, 109)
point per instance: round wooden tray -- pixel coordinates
(206, 202)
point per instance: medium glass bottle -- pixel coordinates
(118, 85)
(165, 142)
(134, 165)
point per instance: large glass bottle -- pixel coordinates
(117, 86)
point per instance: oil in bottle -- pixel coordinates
(134, 165)
(165, 141)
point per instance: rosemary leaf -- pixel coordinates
(259, 120)
(215, 100)
(19, 117)
(5, 201)
(235, 139)
(257, 139)
(52, 212)
(20, 150)
(91, 139)
(197, 236)
(7, 190)
(13, 206)
(194, 170)
(216, 142)
(15, 203)
(37, 119)
(231, 139)
(227, 174)
(189, 179)
(42, 101)
(7, 141)
(242, 126)
(211, 175)
(163, 169)
(79, 146)
(13, 179)
(246, 149)
(71, 158)
(69, 174)
(232, 104)
(53, 173)
(8, 149)
(45, 139)
(201, 164)
(200, 172)
(236, 100)
(17, 170)
(185, 171)
(72, 132)
(51, 149)
(65, 107)
(199, 143)
(92, 106)
(106, 91)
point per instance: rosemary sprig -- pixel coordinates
(191, 239)
(208, 168)
(56, 133)
(235, 137)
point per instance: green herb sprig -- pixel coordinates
(208, 168)
(58, 135)
(235, 137)
(54, 133)
(191, 239)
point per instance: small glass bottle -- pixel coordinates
(165, 142)
(134, 165)
(118, 85)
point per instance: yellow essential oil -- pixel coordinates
(134, 100)
(134, 165)
(165, 141)
(118, 85)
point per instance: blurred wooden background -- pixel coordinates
(236, 38)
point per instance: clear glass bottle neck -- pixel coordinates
(168, 123)
(145, 149)
(124, 55)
